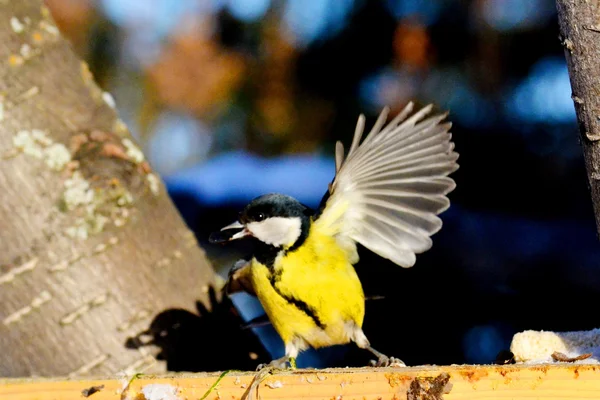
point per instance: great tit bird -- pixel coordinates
(386, 195)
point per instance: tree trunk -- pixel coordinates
(91, 247)
(579, 22)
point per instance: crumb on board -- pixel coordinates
(505, 357)
(91, 390)
(157, 391)
(557, 356)
(274, 385)
(547, 346)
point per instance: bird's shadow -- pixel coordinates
(213, 339)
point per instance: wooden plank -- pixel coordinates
(544, 381)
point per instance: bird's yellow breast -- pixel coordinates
(312, 292)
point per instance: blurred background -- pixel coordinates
(231, 99)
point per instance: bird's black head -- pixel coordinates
(271, 206)
(274, 219)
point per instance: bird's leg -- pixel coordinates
(291, 352)
(358, 337)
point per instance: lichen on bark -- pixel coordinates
(71, 171)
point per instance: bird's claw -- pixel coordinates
(385, 361)
(275, 364)
(262, 366)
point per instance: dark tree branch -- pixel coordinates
(579, 22)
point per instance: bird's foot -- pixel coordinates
(385, 361)
(280, 363)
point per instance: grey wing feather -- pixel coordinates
(389, 190)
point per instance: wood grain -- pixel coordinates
(557, 381)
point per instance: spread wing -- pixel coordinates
(387, 193)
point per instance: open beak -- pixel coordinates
(228, 233)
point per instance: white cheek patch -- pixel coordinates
(276, 231)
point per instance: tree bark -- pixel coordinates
(91, 247)
(579, 22)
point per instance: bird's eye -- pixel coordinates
(260, 217)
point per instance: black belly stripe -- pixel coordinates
(305, 308)
(299, 304)
(266, 255)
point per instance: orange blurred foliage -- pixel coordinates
(194, 73)
(412, 44)
(275, 88)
